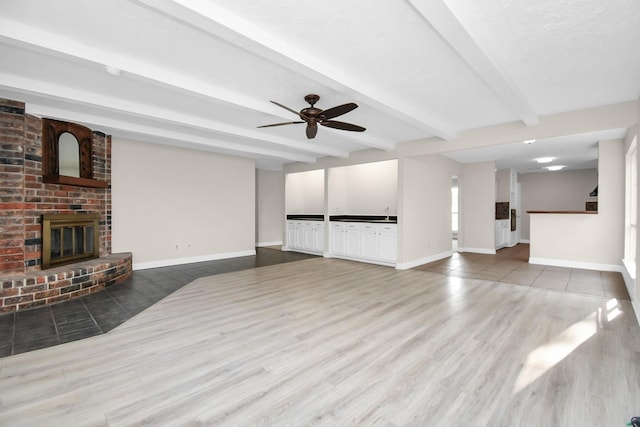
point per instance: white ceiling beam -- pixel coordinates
(438, 15)
(48, 41)
(16, 32)
(152, 112)
(210, 144)
(43, 40)
(220, 22)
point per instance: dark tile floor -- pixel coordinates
(100, 312)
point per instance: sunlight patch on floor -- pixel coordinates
(545, 357)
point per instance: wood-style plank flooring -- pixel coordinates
(511, 265)
(334, 342)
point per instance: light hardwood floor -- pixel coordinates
(340, 343)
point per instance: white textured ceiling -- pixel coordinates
(200, 73)
(578, 151)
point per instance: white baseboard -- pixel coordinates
(302, 251)
(478, 250)
(190, 260)
(421, 261)
(265, 244)
(365, 260)
(575, 264)
(524, 241)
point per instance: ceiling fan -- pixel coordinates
(313, 116)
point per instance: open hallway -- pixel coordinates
(511, 265)
(333, 342)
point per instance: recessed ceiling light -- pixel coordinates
(112, 70)
(529, 141)
(545, 159)
(555, 167)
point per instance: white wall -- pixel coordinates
(425, 209)
(304, 192)
(365, 189)
(555, 191)
(589, 240)
(269, 207)
(503, 185)
(477, 188)
(173, 205)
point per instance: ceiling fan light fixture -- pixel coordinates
(545, 159)
(114, 71)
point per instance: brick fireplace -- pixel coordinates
(25, 198)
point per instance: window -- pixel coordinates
(631, 209)
(454, 209)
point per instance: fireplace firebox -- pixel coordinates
(69, 238)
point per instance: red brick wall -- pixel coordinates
(24, 197)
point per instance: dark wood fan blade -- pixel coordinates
(339, 110)
(342, 126)
(312, 131)
(280, 124)
(285, 107)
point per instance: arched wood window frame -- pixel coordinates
(51, 132)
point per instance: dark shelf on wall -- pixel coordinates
(306, 217)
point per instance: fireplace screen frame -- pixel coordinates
(71, 223)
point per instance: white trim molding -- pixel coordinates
(190, 260)
(265, 244)
(576, 264)
(478, 250)
(421, 261)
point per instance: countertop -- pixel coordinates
(563, 212)
(379, 219)
(365, 218)
(306, 217)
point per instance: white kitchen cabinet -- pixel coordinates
(318, 237)
(305, 236)
(337, 234)
(369, 242)
(388, 236)
(291, 235)
(352, 239)
(299, 242)
(363, 241)
(308, 236)
(503, 232)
